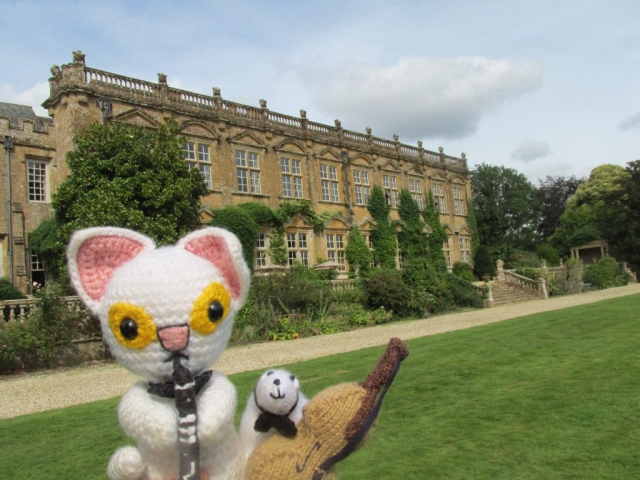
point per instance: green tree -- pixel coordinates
(506, 205)
(625, 229)
(128, 176)
(383, 236)
(553, 193)
(483, 263)
(598, 209)
(357, 252)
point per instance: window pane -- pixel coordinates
(339, 243)
(304, 258)
(333, 173)
(205, 171)
(366, 194)
(189, 150)
(295, 164)
(284, 165)
(286, 185)
(394, 185)
(255, 182)
(260, 241)
(356, 176)
(323, 171)
(358, 195)
(329, 241)
(253, 160)
(386, 181)
(191, 165)
(302, 239)
(37, 181)
(241, 158)
(334, 192)
(292, 257)
(203, 153)
(365, 178)
(297, 186)
(243, 186)
(291, 240)
(325, 190)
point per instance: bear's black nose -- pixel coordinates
(276, 381)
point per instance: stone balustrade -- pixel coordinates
(18, 310)
(77, 75)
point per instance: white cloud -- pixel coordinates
(630, 122)
(33, 96)
(426, 98)
(530, 150)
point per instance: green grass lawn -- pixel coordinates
(553, 395)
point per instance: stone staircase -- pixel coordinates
(505, 293)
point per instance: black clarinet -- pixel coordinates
(189, 445)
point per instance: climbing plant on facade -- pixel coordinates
(412, 239)
(239, 222)
(438, 235)
(383, 236)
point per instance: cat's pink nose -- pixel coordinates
(175, 338)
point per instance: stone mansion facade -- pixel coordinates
(244, 153)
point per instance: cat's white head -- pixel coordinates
(158, 303)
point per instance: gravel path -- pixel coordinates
(40, 391)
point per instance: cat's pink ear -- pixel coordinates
(94, 254)
(223, 249)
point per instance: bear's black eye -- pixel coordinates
(292, 378)
(270, 373)
(215, 312)
(128, 328)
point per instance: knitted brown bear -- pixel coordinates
(333, 424)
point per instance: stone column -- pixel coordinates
(542, 288)
(500, 268)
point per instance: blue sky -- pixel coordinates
(545, 87)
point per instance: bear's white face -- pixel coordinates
(277, 391)
(156, 305)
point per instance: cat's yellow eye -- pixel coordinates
(210, 309)
(131, 325)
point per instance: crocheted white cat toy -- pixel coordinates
(167, 314)
(274, 405)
